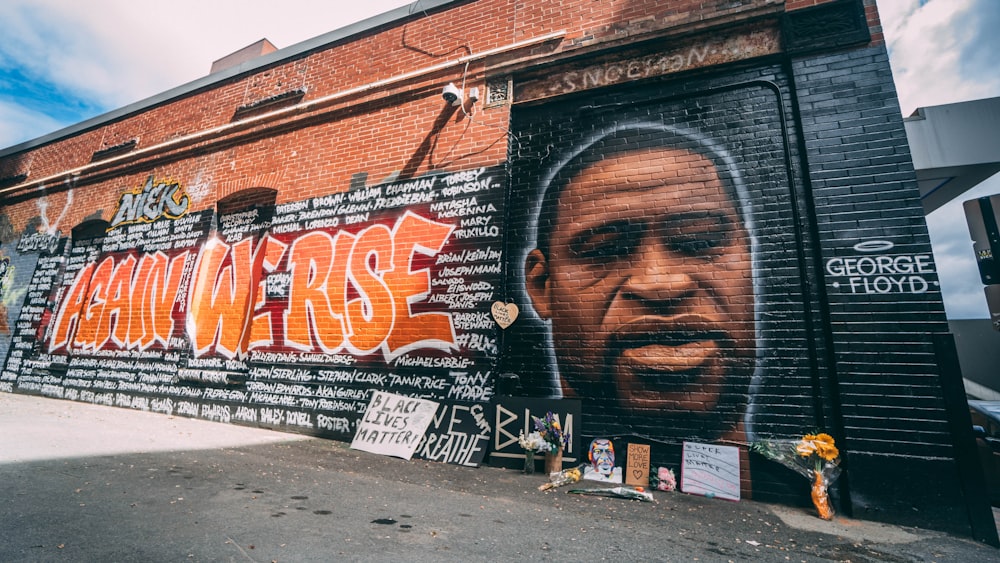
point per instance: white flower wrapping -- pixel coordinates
(533, 442)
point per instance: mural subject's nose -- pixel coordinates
(658, 274)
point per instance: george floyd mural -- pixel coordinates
(659, 261)
(650, 247)
(647, 236)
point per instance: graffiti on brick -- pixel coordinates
(674, 58)
(287, 315)
(153, 200)
(38, 242)
(877, 271)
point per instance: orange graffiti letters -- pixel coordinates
(222, 296)
(129, 303)
(345, 292)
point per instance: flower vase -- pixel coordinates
(820, 497)
(553, 461)
(529, 462)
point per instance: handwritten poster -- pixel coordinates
(458, 434)
(637, 468)
(393, 425)
(711, 470)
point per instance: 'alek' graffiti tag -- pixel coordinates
(150, 202)
(346, 293)
(878, 273)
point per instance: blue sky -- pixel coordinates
(64, 61)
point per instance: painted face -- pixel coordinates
(649, 289)
(602, 456)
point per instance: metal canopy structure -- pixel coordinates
(954, 148)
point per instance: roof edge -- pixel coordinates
(309, 45)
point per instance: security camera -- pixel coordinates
(452, 94)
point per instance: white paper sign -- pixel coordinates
(711, 470)
(393, 425)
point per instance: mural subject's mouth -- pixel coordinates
(665, 353)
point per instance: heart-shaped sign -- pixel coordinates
(504, 313)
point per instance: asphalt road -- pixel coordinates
(87, 483)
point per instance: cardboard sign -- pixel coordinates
(637, 465)
(458, 434)
(393, 424)
(513, 416)
(711, 470)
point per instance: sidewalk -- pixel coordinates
(37, 428)
(85, 482)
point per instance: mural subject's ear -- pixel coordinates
(536, 281)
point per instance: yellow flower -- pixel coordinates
(824, 438)
(805, 448)
(819, 444)
(826, 451)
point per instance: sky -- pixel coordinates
(65, 61)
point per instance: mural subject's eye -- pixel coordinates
(607, 243)
(704, 237)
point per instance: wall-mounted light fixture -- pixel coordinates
(452, 94)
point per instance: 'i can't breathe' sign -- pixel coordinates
(393, 425)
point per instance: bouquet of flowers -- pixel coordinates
(564, 477)
(631, 493)
(664, 480)
(814, 456)
(531, 443)
(551, 432)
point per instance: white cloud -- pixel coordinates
(111, 53)
(20, 123)
(927, 42)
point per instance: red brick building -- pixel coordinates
(690, 221)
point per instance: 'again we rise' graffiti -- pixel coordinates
(285, 314)
(346, 293)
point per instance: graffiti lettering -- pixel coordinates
(150, 202)
(245, 414)
(453, 448)
(423, 184)
(882, 273)
(38, 242)
(377, 264)
(470, 255)
(226, 280)
(128, 303)
(332, 424)
(880, 265)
